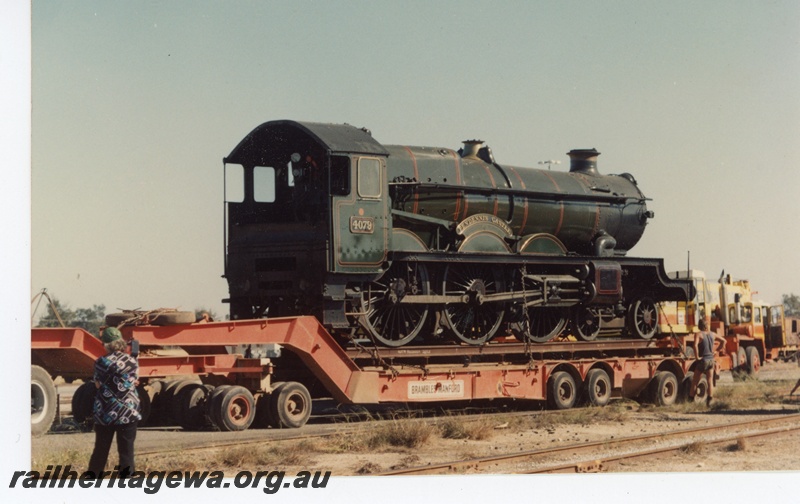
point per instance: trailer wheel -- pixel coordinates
(291, 405)
(597, 387)
(232, 409)
(172, 405)
(263, 418)
(191, 404)
(153, 389)
(83, 402)
(643, 318)
(145, 405)
(44, 400)
(561, 391)
(701, 392)
(214, 402)
(265, 413)
(753, 360)
(664, 388)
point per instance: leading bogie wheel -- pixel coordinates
(664, 388)
(44, 400)
(643, 318)
(586, 322)
(597, 387)
(290, 405)
(561, 391)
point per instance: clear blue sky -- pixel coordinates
(136, 103)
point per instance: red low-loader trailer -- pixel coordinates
(192, 375)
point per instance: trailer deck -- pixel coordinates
(307, 356)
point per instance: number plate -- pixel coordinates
(362, 225)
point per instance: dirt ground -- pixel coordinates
(506, 434)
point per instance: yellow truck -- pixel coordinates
(755, 331)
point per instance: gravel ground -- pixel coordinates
(628, 419)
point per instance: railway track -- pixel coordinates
(601, 455)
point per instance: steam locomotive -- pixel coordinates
(401, 244)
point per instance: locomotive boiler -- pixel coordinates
(398, 243)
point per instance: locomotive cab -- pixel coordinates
(302, 200)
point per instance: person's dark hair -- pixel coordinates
(117, 345)
(702, 325)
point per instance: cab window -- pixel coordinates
(747, 312)
(340, 176)
(369, 178)
(234, 183)
(264, 184)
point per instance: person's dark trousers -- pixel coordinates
(104, 434)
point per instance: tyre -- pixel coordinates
(741, 360)
(664, 388)
(144, 404)
(234, 409)
(561, 391)
(702, 389)
(214, 401)
(192, 403)
(172, 400)
(753, 360)
(597, 388)
(290, 405)
(83, 402)
(44, 401)
(264, 418)
(153, 391)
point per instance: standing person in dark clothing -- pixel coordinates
(116, 404)
(704, 346)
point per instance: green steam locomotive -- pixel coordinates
(399, 244)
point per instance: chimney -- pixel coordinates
(471, 148)
(583, 161)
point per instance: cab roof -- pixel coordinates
(335, 138)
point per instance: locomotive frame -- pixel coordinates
(400, 244)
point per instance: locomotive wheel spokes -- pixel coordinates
(385, 318)
(473, 321)
(643, 318)
(543, 324)
(586, 322)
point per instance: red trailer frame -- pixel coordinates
(558, 372)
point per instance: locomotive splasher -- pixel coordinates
(398, 243)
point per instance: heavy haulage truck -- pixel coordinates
(372, 273)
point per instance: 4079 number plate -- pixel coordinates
(362, 225)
